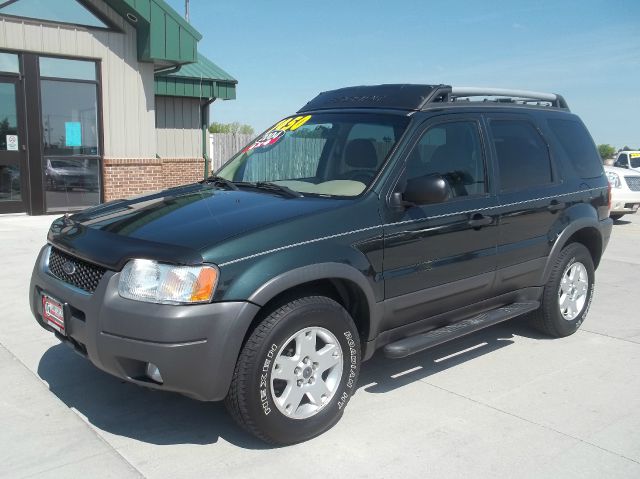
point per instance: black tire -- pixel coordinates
(548, 318)
(251, 400)
(616, 216)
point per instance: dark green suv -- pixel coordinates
(391, 217)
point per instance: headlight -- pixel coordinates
(153, 282)
(614, 179)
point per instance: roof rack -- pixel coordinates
(504, 94)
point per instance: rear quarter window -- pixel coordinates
(523, 157)
(577, 146)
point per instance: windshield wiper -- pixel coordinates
(220, 181)
(274, 187)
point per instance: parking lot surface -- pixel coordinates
(505, 402)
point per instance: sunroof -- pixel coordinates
(63, 11)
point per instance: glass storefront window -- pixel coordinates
(8, 116)
(64, 68)
(10, 183)
(9, 63)
(69, 118)
(70, 143)
(63, 11)
(71, 183)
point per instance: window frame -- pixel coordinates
(111, 25)
(433, 122)
(556, 177)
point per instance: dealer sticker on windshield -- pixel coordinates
(277, 132)
(269, 138)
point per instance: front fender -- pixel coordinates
(261, 279)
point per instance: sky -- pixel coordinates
(283, 53)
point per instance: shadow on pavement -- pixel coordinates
(162, 418)
(128, 410)
(380, 375)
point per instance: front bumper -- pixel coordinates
(195, 347)
(623, 199)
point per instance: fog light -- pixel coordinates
(154, 373)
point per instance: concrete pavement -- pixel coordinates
(502, 403)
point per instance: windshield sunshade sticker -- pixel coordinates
(634, 155)
(291, 124)
(268, 139)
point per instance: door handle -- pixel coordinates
(555, 205)
(478, 220)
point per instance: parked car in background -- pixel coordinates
(628, 159)
(625, 191)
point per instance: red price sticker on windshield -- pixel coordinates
(269, 138)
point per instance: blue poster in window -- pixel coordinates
(72, 133)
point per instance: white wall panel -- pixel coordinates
(178, 127)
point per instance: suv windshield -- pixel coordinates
(634, 160)
(336, 154)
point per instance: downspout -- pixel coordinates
(204, 116)
(167, 70)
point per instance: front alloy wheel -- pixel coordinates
(306, 372)
(296, 372)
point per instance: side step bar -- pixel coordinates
(414, 344)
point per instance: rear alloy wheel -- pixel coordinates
(296, 372)
(568, 293)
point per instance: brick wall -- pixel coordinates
(125, 177)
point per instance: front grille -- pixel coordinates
(633, 182)
(86, 275)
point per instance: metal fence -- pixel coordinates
(224, 145)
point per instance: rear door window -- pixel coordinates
(523, 156)
(577, 146)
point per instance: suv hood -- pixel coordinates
(176, 224)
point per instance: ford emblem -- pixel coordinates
(69, 267)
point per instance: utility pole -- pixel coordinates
(186, 10)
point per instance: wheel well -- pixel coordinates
(590, 238)
(345, 292)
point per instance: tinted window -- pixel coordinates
(578, 147)
(69, 118)
(452, 150)
(622, 160)
(9, 63)
(65, 68)
(65, 11)
(523, 157)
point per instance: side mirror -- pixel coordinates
(427, 190)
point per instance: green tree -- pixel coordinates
(606, 151)
(234, 127)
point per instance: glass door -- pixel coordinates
(13, 174)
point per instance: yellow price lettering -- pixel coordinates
(291, 124)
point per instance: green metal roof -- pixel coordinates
(164, 37)
(203, 79)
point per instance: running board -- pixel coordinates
(420, 342)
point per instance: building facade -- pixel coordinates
(99, 100)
